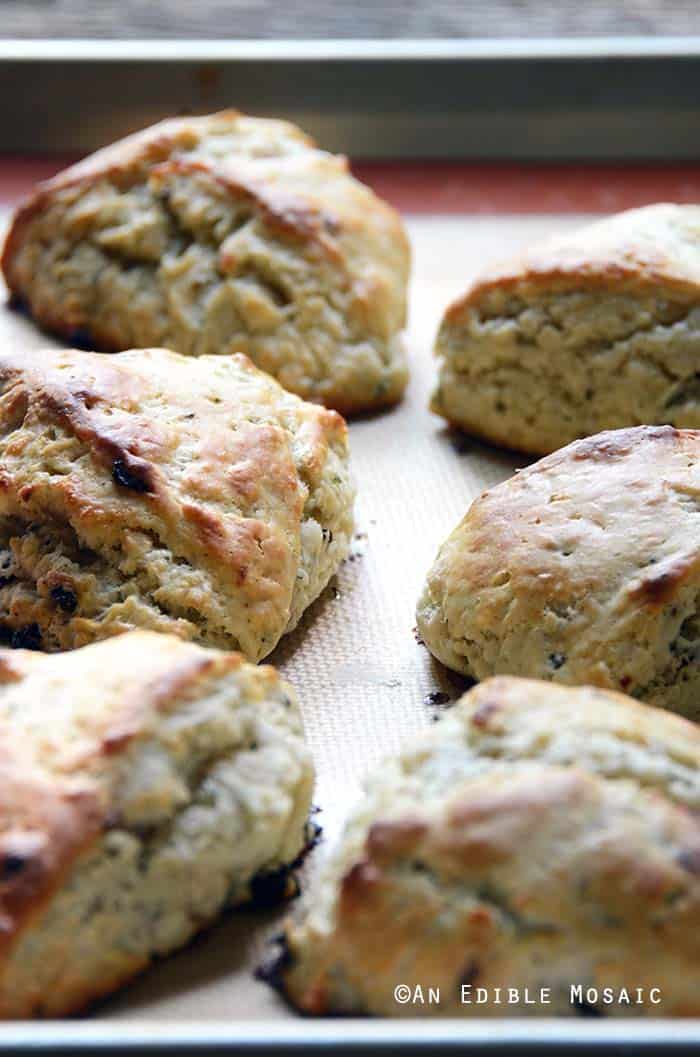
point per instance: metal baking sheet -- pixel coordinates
(364, 682)
(588, 98)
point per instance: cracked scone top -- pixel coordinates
(536, 837)
(193, 496)
(223, 234)
(595, 330)
(147, 783)
(582, 568)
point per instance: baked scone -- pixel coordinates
(537, 837)
(147, 783)
(583, 568)
(192, 496)
(591, 331)
(222, 234)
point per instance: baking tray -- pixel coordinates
(363, 679)
(616, 98)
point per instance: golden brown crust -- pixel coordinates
(207, 458)
(45, 826)
(654, 247)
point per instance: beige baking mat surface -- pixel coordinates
(361, 676)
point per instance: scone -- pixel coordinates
(596, 330)
(222, 234)
(583, 568)
(147, 783)
(192, 496)
(537, 839)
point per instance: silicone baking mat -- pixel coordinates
(363, 679)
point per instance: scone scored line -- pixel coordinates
(594, 330)
(222, 234)
(149, 489)
(582, 568)
(147, 784)
(538, 838)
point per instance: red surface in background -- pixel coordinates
(457, 187)
(454, 187)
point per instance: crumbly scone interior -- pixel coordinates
(212, 791)
(162, 252)
(537, 368)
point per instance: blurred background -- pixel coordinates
(316, 19)
(450, 106)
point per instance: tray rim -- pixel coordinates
(485, 99)
(337, 49)
(350, 1035)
